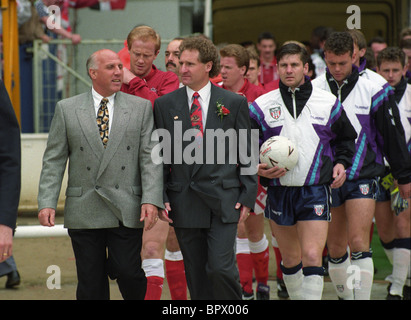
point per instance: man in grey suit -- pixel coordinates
(206, 199)
(114, 188)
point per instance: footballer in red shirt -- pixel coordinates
(144, 79)
(252, 245)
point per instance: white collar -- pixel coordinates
(204, 92)
(97, 97)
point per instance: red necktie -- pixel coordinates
(195, 113)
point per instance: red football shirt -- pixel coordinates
(156, 84)
(269, 72)
(250, 91)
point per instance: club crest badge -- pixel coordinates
(364, 188)
(319, 209)
(340, 288)
(275, 113)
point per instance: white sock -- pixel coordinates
(173, 256)
(313, 283)
(293, 279)
(153, 267)
(362, 289)
(389, 250)
(242, 246)
(400, 270)
(337, 269)
(389, 253)
(408, 281)
(259, 246)
(312, 287)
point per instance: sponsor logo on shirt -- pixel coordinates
(362, 107)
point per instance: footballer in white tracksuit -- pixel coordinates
(380, 134)
(377, 123)
(316, 122)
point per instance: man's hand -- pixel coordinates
(163, 214)
(6, 242)
(75, 38)
(47, 217)
(127, 76)
(149, 214)
(244, 213)
(405, 190)
(339, 176)
(270, 173)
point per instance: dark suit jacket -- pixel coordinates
(10, 161)
(196, 190)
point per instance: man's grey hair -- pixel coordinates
(92, 63)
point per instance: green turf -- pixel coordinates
(382, 266)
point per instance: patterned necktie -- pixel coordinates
(196, 114)
(103, 121)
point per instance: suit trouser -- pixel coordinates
(103, 253)
(7, 266)
(209, 261)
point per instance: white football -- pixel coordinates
(279, 151)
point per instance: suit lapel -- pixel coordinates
(179, 111)
(88, 123)
(213, 121)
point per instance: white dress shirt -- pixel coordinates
(110, 105)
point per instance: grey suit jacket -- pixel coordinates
(195, 191)
(105, 186)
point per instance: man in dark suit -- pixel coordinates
(10, 176)
(113, 185)
(206, 198)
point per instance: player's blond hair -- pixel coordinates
(144, 33)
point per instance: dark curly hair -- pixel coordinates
(339, 43)
(207, 51)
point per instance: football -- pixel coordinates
(279, 151)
